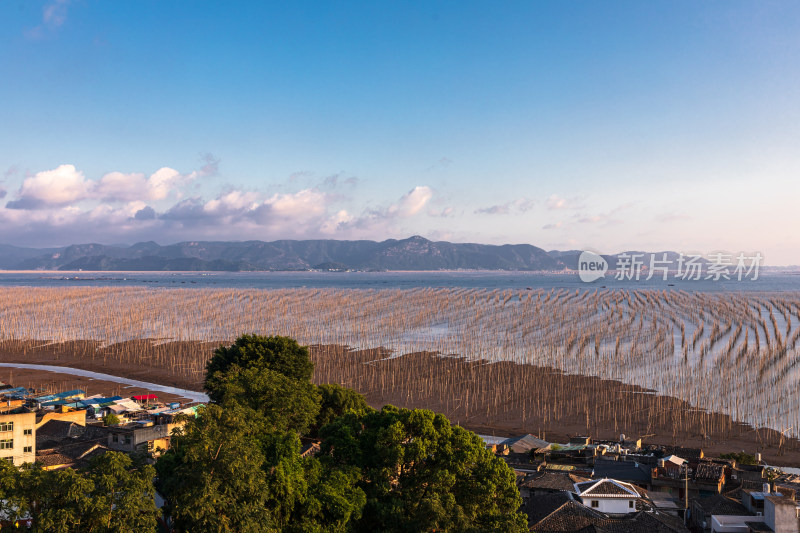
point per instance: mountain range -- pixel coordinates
(414, 253)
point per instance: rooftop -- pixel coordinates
(721, 505)
(609, 488)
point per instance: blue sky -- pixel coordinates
(604, 125)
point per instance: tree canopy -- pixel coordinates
(280, 354)
(225, 473)
(282, 403)
(420, 473)
(113, 494)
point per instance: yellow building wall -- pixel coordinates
(21, 422)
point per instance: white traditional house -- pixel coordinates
(609, 495)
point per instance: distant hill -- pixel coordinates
(414, 253)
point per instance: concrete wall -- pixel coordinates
(611, 505)
(22, 422)
(781, 514)
(78, 417)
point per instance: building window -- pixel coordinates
(27, 449)
(27, 432)
(115, 437)
(630, 504)
(595, 503)
(6, 426)
(127, 439)
(6, 444)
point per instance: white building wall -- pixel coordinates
(611, 505)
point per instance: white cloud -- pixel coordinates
(301, 206)
(336, 222)
(412, 202)
(164, 180)
(58, 187)
(118, 186)
(232, 202)
(63, 206)
(66, 185)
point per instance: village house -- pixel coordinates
(141, 436)
(17, 439)
(609, 495)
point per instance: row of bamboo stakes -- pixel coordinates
(736, 354)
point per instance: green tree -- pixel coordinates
(280, 354)
(284, 404)
(333, 501)
(59, 501)
(420, 473)
(336, 401)
(213, 475)
(740, 457)
(123, 494)
(9, 490)
(110, 419)
(111, 495)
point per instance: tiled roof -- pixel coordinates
(709, 471)
(552, 481)
(53, 459)
(571, 516)
(720, 505)
(525, 443)
(539, 507)
(607, 487)
(574, 517)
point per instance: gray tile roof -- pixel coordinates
(554, 481)
(720, 505)
(607, 487)
(574, 517)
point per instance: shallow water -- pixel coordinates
(493, 279)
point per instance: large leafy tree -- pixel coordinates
(420, 473)
(227, 471)
(280, 354)
(282, 403)
(111, 495)
(213, 475)
(123, 494)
